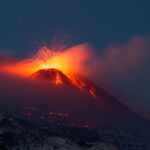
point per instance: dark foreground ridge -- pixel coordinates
(18, 133)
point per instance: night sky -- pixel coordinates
(27, 25)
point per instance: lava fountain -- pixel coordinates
(67, 89)
(69, 64)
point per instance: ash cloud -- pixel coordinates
(117, 61)
(118, 64)
(124, 70)
(122, 60)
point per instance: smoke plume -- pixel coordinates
(118, 62)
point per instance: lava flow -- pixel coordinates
(57, 77)
(59, 67)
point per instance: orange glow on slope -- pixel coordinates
(58, 80)
(92, 91)
(71, 61)
(84, 84)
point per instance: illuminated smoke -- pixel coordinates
(70, 61)
(118, 60)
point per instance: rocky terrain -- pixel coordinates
(18, 133)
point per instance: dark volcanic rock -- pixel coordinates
(20, 134)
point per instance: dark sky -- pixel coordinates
(26, 25)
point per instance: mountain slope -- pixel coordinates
(74, 95)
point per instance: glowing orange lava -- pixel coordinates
(58, 80)
(71, 62)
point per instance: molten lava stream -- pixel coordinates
(60, 67)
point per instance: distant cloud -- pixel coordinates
(121, 60)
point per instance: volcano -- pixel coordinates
(52, 75)
(71, 99)
(82, 101)
(57, 77)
